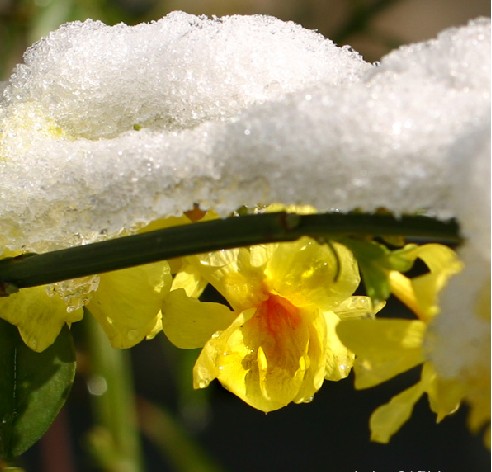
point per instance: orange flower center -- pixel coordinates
(278, 314)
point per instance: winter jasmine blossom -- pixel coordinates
(388, 347)
(126, 303)
(277, 343)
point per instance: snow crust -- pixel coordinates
(104, 128)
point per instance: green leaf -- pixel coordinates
(33, 388)
(399, 259)
(375, 262)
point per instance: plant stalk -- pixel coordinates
(79, 261)
(115, 442)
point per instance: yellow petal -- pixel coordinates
(420, 293)
(38, 316)
(311, 274)
(444, 395)
(205, 369)
(237, 274)
(358, 307)
(339, 359)
(279, 334)
(477, 397)
(264, 356)
(156, 329)
(402, 288)
(388, 419)
(384, 348)
(316, 359)
(189, 279)
(277, 337)
(300, 209)
(189, 323)
(215, 356)
(127, 303)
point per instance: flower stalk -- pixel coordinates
(38, 269)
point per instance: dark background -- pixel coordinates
(329, 434)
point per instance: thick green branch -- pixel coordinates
(79, 261)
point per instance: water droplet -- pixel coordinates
(97, 385)
(75, 292)
(344, 368)
(306, 399)
(202, 384)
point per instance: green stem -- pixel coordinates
(128, 251)
(173, 441)
(9, 468)
(115, 441)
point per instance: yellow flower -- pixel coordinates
(388, 347)
(459, 338)
(278, 343)
(186, 275)
(126, 303)
(38, 316)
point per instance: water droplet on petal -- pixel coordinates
(306, 399)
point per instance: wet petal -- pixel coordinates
(299, 209)
(444, 395)
(189, 323)
(316, 357)
(188, 278)
(216, 357)
(237, 274)
(339, 359)
(389, 418)
(311, 274)
(358, 307)
(205, 369)
(127, 303)
(38, 316)
(264, 356)
(384, 348)
(279, 335)
(420, 293)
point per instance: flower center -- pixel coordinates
(278, 314)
